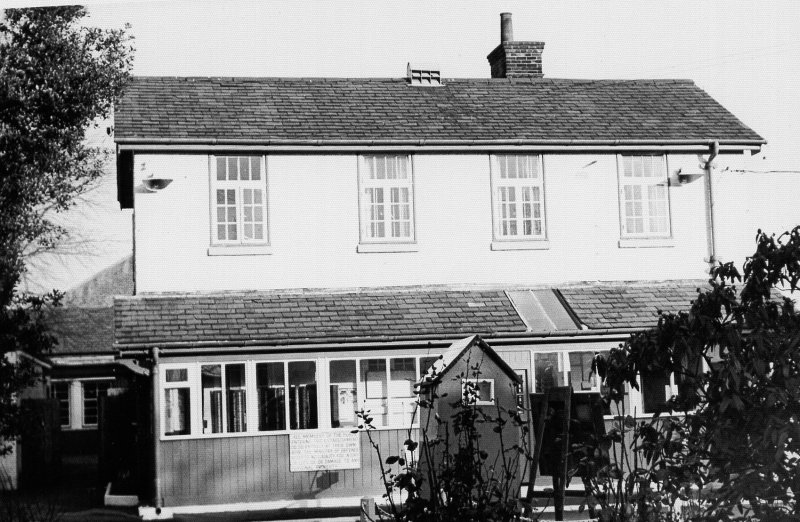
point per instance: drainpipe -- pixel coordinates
(157, 499)
(709, 168)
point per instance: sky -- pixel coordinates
(745, 54)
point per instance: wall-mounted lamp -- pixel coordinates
(683, 179)
(153, 184)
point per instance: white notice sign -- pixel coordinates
(324, 450)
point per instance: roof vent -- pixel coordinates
(425, 75)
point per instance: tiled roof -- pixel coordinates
(100, 289)
(85, 322)
(342, 111)
(83, 330)
(631, 305)
(275, 317)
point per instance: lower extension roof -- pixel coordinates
(270, 319)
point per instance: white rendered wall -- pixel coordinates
(314, 227)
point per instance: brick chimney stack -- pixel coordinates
(513, 59)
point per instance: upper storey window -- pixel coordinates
(238, 201)
(386, 199)
(518, 197)
(644, 196)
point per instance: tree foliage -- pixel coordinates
(57, 78)
(730, 439)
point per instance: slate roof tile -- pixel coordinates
(629, 305)
(349, 110)
(275, 317)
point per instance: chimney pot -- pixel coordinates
(506, 29)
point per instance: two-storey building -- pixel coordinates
(305, 246)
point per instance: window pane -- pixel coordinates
(580, 372)
(220, 197)
(547, 371)
(231, 199)
(235, 390)
(93, 391)
(255, 167)
(258, 232)
(425, 364)
(211, 387)
(343, 393)
(402, 402)
(271, 396)
(233, 169)
(477, 390)
(232, 232)
(403, 375)
(244, 168)
(302, 395)
(61, 393)
(177, 413)
(221, 168)
(373, 388)
(655, 391)
(178, 375)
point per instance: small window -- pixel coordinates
(303, 395)
(387, 199)
(518, 197)
(644, 196)
(61, 394)
(374, 389)
(177, 402)
(402, 402)
(271, 386)
(93, 391)
(211, 385)
(177, 411)
(479, 392)
(581, 376)
(656, 390)
(548, 371)
(238, 201)
(344, 395)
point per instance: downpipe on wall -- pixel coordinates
(158, 500)
(708, 166)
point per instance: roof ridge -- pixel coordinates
(404, 79)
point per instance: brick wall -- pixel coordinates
(517, 60)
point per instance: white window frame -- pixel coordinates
(361, 392)
(481, 401)
(75, 397)
(385, 243)
(565, 369)
(241, 245)
(520, 240)
(322, 364)
(176, 385)
(68, 383)
(644, 182)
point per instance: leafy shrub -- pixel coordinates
(728, 445)
(447, 475)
